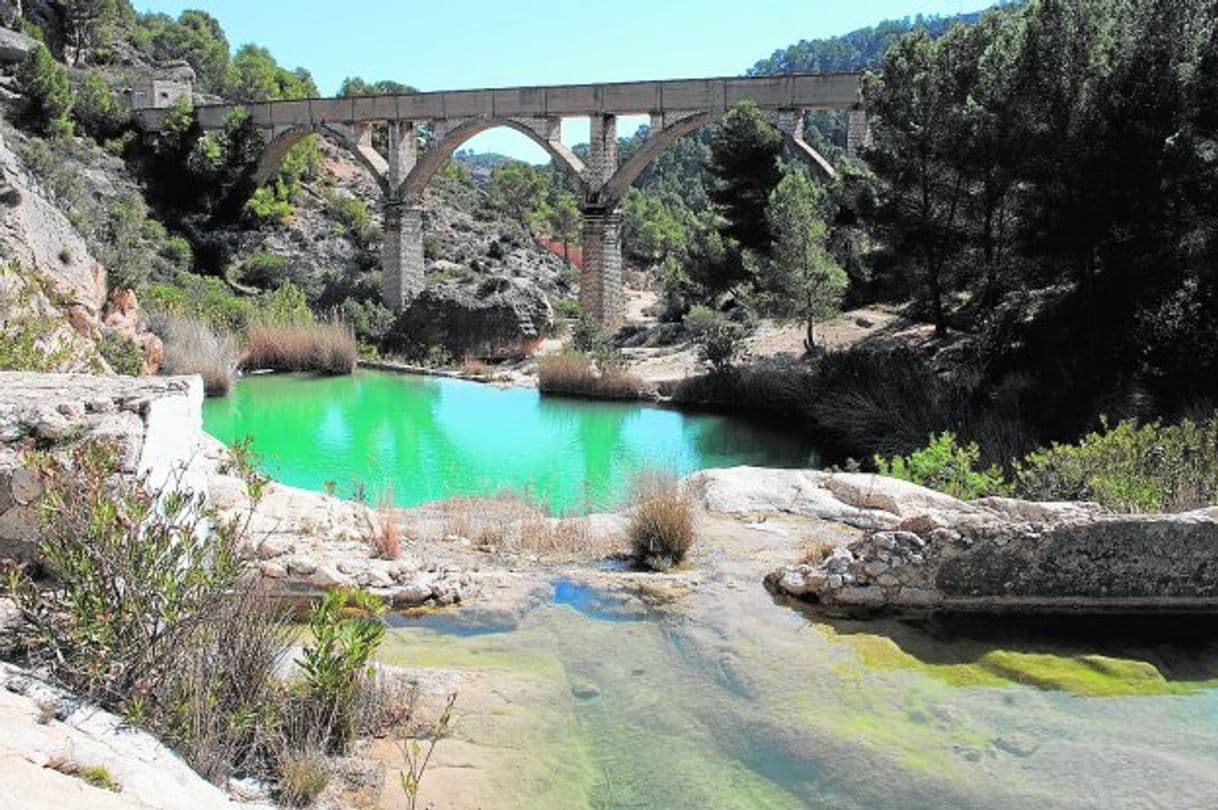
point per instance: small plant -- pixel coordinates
(416, 756)
(303, 775)
(122, 353)
(347, 627)
(718, 336)
(244, 462)
(133, 573)
(96, 775)
(661, 529)
(947, 467)
(387, 536)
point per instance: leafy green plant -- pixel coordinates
(1130, 467)
(347, 627)
(122, 353)
(47, 91)
(947, 466)
(133, 575)
(718, 337)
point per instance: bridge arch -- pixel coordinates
(542, 131)
(354, 140)
(657, 143)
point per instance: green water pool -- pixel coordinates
(431, 438)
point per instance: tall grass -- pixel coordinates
(661, 530)
(193, 347)
(327, 347)
(576, 374)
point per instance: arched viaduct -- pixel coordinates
(676, 108)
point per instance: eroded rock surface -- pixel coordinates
(48, 734)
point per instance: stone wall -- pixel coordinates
(156, 422)
(924, 551)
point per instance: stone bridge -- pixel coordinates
(676, 108)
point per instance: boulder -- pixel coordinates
(496, 318)
(15, 46)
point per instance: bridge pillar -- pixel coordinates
(600, 284)
(858, 136)
(602, 152)
(402, 255)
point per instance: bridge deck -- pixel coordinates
(825, 91)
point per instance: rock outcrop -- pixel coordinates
(157, 424)
(497, 318)
(53, 744)
(925, 551)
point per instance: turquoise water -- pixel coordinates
(431, 438)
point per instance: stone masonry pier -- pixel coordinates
(446, 120)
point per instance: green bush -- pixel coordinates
(122, 353)
(203, 298)
(47, 91)
(265, 270)
(346, 628)
(947, 467)
(98, 111)
(133, 574)
(269, 205)
(718, 336)
(1130, 467)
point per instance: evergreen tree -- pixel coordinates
(744, 151)
(799, 281)
(47, 91)
(97, 109)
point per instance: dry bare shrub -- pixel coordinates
(476, 368)
(192, 347)
(327, 347)
(661, 530)
(576, 374)
(386, 537)
(816, 550)
(303, 775)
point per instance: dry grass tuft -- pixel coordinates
(661, 528)
(192, 347)
(386, 539)
(476, 368)
(575, 374)
(327, 347)
(509, 521)
(303, 775)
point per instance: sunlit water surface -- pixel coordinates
(431, 438)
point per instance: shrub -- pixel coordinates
(122, 353)
(100, 114)
(133, 577)
(1130, 467)
(346, 628)
(192, 347)
(265, 270)
(572, 373)
(202, 298)
(327, 348)
(386, 535)
(269, 205)
(883, 402)
(220, 706)
(47, 91)
(947, 467)
(718, 336)
(661, 530)
(303, 775)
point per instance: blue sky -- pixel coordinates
(496, 43)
